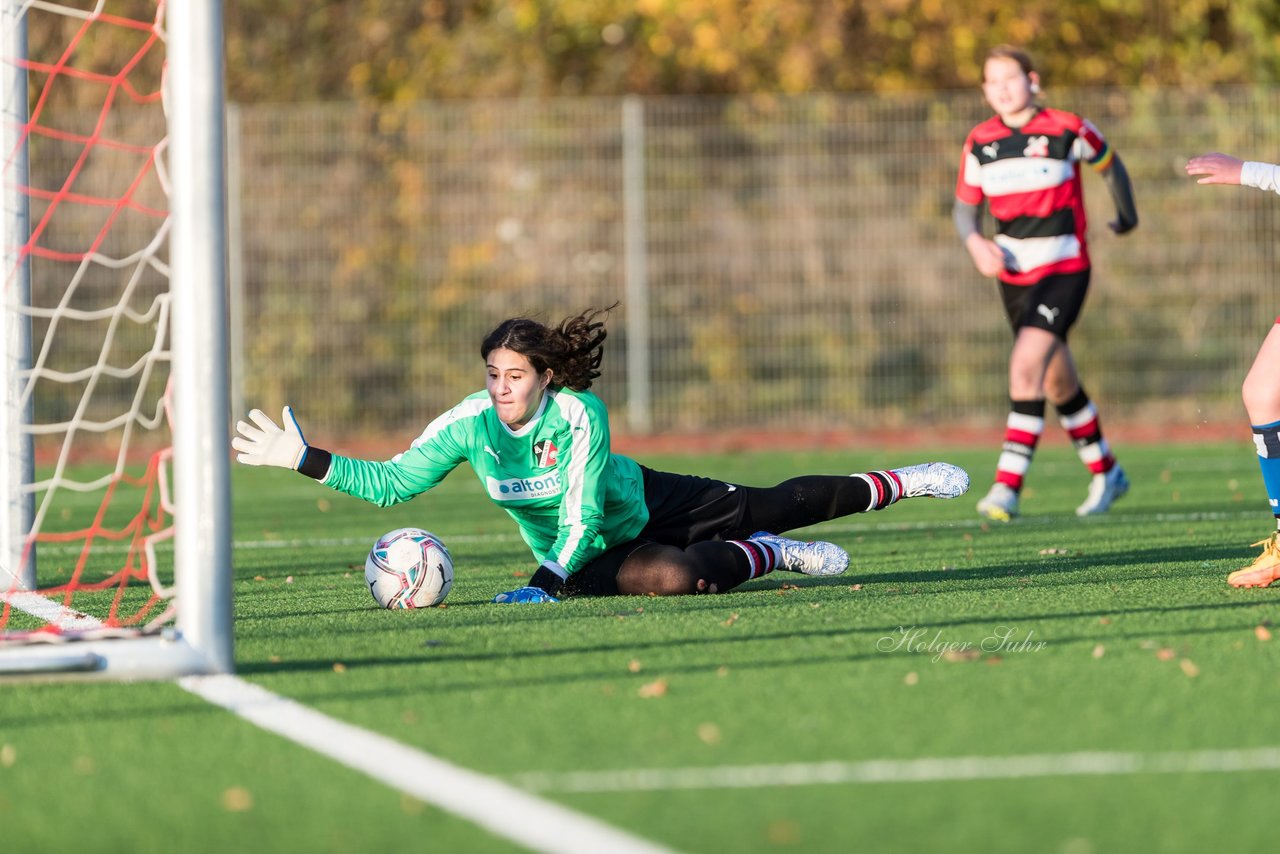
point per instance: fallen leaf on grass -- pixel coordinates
(656, 688)
(709, 733)
(784, 832)
(855, 587)
(1099, 651)
(1165, 654)
(1189, 668)
(634, 665)
(339, 667)
(1262, 633)
(911, 678)
(1055, 551)
(733, 618)
(961, 655)
(237, 799)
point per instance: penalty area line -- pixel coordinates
(929, 770)
(500, 808)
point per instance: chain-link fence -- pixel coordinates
(782, 262)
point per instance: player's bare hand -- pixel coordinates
(987, 256)
(1216, 168)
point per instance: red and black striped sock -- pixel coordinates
(762, 557)
(1021, 435)
(1079, 417)
(885, 486)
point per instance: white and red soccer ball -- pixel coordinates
(409, 568)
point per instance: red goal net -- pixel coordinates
(86, 313)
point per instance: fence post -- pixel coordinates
(636, 271)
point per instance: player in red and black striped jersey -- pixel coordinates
(1024, 162)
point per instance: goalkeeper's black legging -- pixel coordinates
(683, 548)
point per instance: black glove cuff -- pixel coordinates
(545, 579)
(315, 463)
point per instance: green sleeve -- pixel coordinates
(583, 471)
(402, 477)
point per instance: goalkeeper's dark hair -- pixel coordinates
(572, 350)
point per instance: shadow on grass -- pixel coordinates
(865, 636)
(1163, 556)
(827, 633)
(613, 674)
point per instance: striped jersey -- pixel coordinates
(556, 477)
(1030, 178)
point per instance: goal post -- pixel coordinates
(199, 259)
(16, 465)
(162, 358)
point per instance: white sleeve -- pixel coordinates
(1264, 176)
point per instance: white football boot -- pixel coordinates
(937, 480)
(1000, 504)
(1104, 489)
(811, 558)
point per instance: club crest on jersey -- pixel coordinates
(544, 453)
(1037, 146)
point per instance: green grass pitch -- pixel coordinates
(948, 637)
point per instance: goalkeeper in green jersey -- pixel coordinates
(598, 523)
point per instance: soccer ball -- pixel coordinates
(409, 568)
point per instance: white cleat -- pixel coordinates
(1104, 489)
(937, 480)
(811, 558)
(1000, 504)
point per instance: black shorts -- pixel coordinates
(1052, 304)
(683, 509)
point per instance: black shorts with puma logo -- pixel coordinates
(1053, 303)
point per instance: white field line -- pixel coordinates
(502, 809)
(50, 611)
(929, 770)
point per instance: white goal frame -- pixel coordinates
(200, 640)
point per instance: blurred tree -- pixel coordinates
(389, 51)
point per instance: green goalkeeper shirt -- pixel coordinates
(572, 498)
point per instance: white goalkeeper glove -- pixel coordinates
(267, 444)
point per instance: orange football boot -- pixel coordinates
(1262, 571)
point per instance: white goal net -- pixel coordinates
(115, 558)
